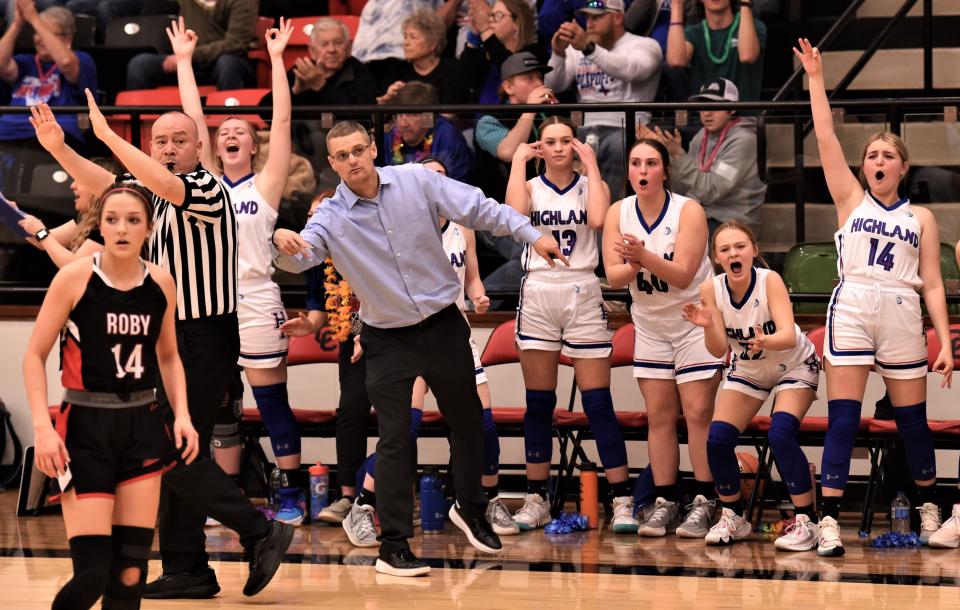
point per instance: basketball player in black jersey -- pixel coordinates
(112, 440)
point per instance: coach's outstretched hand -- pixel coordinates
(290, 243)
(548, 248)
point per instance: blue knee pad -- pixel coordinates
(844, 422)
(278, 419)
(917, 440)
(722, 457)
(791, 461)
(369, 466)
(598, 405)
(538, 426)
(491, 444)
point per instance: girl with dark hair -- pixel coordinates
(656, 242)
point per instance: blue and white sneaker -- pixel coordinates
(293, 506)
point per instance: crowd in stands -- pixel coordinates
(428, 52)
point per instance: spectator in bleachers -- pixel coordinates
(553, 13)
(727, 43)
(224, 29)
(608, 64)
(329, 76)
(462, 18)
(413, 139)
(379, 38)
(495, 33)
(55, 74)
(720, 171)
(652, 18)
(424, 37)
(497, 137)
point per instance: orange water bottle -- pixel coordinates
(589, 503)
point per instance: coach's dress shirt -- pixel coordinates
(389, 249)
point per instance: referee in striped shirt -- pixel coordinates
(194, 237)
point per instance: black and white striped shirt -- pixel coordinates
(197, 243)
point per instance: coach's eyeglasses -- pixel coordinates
(357, 152)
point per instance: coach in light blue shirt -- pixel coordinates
(381, 228)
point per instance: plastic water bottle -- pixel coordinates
(900, 514)
(432, 502)
(319, 489)
(276, 483)
(589, 503)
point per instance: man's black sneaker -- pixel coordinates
(183, 585)
(402, 563)
(478, 530)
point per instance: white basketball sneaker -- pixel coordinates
(829, 543)
(801, 535)
(534, 513)
(730, 528)
(948, 536)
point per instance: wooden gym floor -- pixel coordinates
(572, 572)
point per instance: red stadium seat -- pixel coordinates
(816, 337)
(236, 97)
(161, 96)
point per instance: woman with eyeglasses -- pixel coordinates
(256, 199)
(496, 32)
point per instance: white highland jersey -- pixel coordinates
(651, 295)
(561, 212)
(740, 321)
(255, 221)
(455, 245)
(880, 245)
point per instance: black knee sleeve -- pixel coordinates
(91, 570)
(226, 429)
(130, 552)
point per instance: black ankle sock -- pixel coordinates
(734, 505)
(667, 492)
(831, 508)
(805, 510)
(618, 490)
(367, 498)
(927, 494)
(707, 489)
(348, 497)
(537, 487)
(492, 492)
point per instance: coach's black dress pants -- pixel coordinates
(209, 349)
(438, 349)
(353, 414)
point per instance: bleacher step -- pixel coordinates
(892, 69)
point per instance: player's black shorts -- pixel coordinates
(110, 447)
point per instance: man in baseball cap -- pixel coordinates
(598, 7)
(717, 90)
(521, 63)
